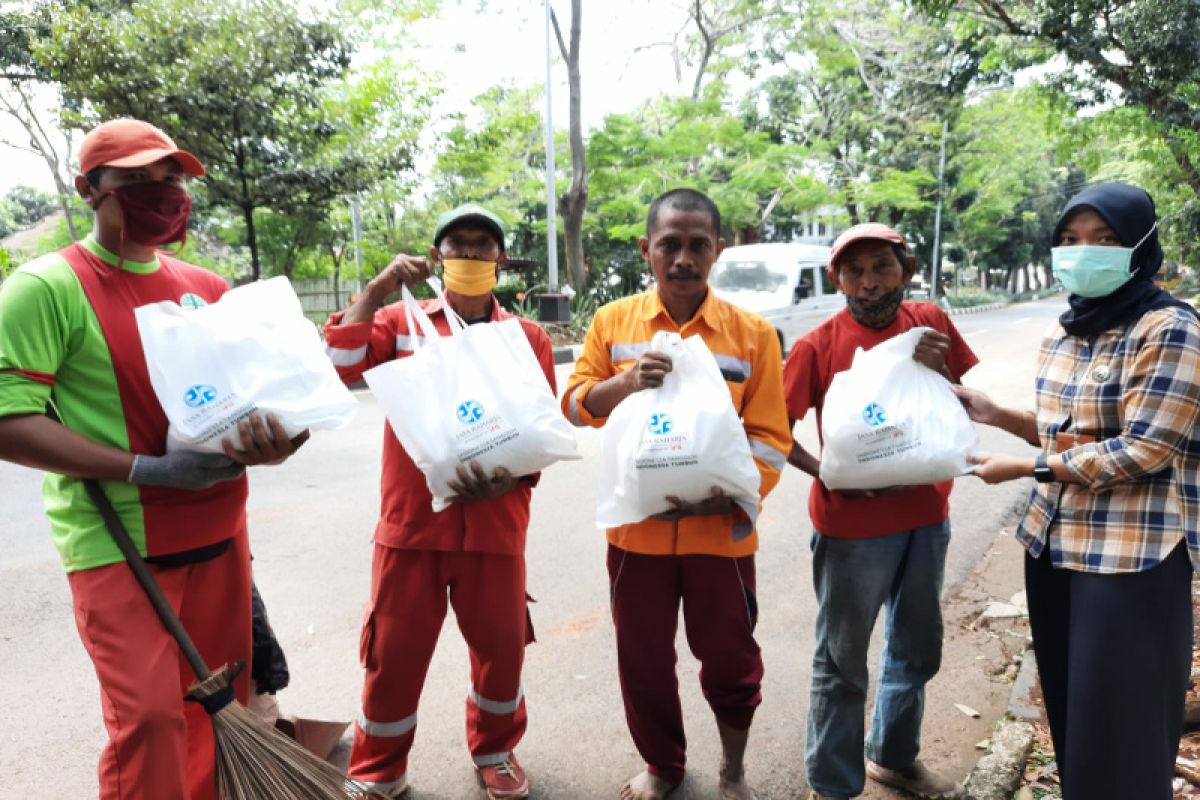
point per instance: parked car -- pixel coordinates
(785, 283)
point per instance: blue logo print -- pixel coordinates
(199, 396)
(660, 424)
(469, 411)
(875, 415)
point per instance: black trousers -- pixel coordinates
(1114, 656)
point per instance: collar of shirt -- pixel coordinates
(709, 311)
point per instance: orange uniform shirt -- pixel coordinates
(748, 354)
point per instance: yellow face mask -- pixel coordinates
(466, 276)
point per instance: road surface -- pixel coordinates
(311, 523)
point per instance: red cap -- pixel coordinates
(132, 143)
(868, 230)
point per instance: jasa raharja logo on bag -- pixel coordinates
(875, 415)
(199, 395)
(884, 439)
(483, 431)
(660, 424)
(215, 413)
(666, 446)
(469, 412)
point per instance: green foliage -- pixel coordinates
(22, 207)
(245, 85)
(970, 298)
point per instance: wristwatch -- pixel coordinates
(1041, 471)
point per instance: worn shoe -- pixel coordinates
(504, 781)
(918, 780)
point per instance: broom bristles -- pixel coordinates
(257, 762)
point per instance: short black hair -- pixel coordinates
(684, 199)
(94, 175)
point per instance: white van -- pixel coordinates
(785, 283)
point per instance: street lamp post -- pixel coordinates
(552, 306)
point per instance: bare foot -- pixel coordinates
(645, 786)
(733, 785)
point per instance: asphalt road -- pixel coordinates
(311, 523)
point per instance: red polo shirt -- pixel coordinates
(813, 361)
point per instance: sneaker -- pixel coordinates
(504, 781)
(917, 780)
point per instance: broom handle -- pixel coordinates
(141, 571)
(145, 578)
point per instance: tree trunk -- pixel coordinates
(252, 242)
(573, 202)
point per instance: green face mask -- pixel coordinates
(1090, 270)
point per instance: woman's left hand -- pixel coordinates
(1000, 467)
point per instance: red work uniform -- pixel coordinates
(471, 553)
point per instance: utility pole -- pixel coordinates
(936, 269)
(552, 306)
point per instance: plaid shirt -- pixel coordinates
(1136, 390)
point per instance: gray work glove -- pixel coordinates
(184, 470)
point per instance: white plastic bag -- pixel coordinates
(476, 395)
(890, 421)
(680, 439)
(253, 350)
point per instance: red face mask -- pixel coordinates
(154, 212)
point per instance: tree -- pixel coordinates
(866, 89)
(573, 202)
(1143, 54)
(23, 87)
(1010, 183)
(241, 84)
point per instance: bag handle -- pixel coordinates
(413, 310)
(456, 323)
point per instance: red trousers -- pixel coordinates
(160, 747)
(719, 614)
(409, 594)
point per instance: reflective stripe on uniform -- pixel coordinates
(574, 407)
(496, 706)
(346, 358)
(397, 728)
(764, 452)
(490, 760)
(628, 352)
(737, 366)
(385, 788)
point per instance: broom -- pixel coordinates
(254, 761)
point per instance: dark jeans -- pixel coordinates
(1114, 654)
(900, 574)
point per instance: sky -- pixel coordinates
(473, 51)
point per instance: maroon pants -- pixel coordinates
(410, 590)
(719, 613)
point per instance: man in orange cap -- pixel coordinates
(68, 336)
(874, 549)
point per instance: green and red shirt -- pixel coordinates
(68, 335)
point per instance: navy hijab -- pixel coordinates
(1129, 211)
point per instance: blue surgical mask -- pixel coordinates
(1091, 270)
